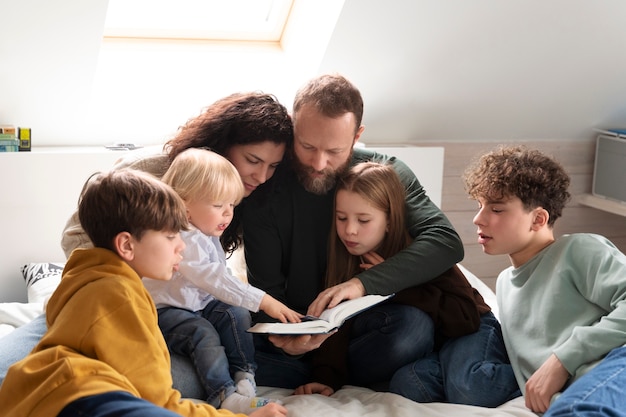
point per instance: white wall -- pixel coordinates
(429, 70)
(72, 88)
(483, 70)
(36, 204)
(48, 57)
(425, 162)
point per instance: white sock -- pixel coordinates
(244, 384)
(238, 403)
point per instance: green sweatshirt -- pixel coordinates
(286, 232)
(569, 299)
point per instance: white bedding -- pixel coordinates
(13, 315)
(347, 402)
(359, 402)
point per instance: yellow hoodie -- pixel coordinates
(102, 336)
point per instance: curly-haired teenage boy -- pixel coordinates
(562, 302)
(103, 353)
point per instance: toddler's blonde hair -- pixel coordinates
(198, 174)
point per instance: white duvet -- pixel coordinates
(347, 402)
(14, 315)
(359, 402)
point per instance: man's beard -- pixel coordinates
(320, 185)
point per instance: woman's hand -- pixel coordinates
(314, 388)
(274, 308)
(332, 296)
(370, 259)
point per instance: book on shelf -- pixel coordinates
(9, 145)
(620, 133)
(328, 321)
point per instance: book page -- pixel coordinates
(329, 320)
(348, 308)
(305, 327)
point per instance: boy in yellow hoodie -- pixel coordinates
(103, 353)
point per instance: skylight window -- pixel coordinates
(216, 20)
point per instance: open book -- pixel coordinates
(328, 321)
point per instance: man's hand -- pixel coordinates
(314, 388)
(332, 296)
(299, 345)
(544, 383)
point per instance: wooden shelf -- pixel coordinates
(603, 204)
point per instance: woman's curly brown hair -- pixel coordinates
(237, 119)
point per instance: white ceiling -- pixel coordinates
(429, 70)
(484, 69)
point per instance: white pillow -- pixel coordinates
(41, 280)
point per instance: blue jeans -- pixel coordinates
(382, 339)
(216, 341)
(600, 392)
(114, 404)
(472, 369)
(17, 344)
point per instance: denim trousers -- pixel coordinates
(473, 369)
(17, 344)
(382, 339)
(600, 392)
(114, 404)
(217, 342)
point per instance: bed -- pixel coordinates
(41, 278)
(29, 274)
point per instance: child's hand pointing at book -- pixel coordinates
(330, 320)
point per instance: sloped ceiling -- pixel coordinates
(429, 70)
(483, 69)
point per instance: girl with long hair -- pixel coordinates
(463, 355)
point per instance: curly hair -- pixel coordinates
(515, 171)
(237, 119)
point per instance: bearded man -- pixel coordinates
(286, 235)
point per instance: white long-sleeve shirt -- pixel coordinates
(569, 299)
(203, 276)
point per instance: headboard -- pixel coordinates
(426, 162)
